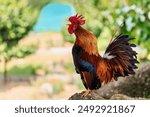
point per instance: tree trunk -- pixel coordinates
(5, 71)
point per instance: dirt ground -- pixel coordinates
(24, 91)
(52, 50)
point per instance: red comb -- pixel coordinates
(77, 19)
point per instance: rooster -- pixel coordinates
(118, 60)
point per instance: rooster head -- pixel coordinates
(75, 22)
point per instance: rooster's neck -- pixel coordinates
(86, 40)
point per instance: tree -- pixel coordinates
(16, 20)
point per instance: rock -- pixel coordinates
(120, 97)
(137, 85)
(47, 88)
(91, 96)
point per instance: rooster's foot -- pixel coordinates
(85, 93)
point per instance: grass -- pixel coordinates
(38, 82)
(57, 85)
(79, 84)
(25, 70)
(69, 67)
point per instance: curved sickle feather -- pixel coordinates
(119, 60)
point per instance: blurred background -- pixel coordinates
(35, 47)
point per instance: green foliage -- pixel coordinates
(58, 87)
(14, 26)
(24, 70)
(16, 51)
(69, 67)
(16, 20)
(147, 96)
(79, 84)
(37, 4)
(67, 37)
(136, 21)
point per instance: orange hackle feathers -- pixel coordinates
(86, 40)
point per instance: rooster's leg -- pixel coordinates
(85, 93)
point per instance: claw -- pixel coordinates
(85, 93)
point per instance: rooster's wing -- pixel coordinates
(85, 68)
